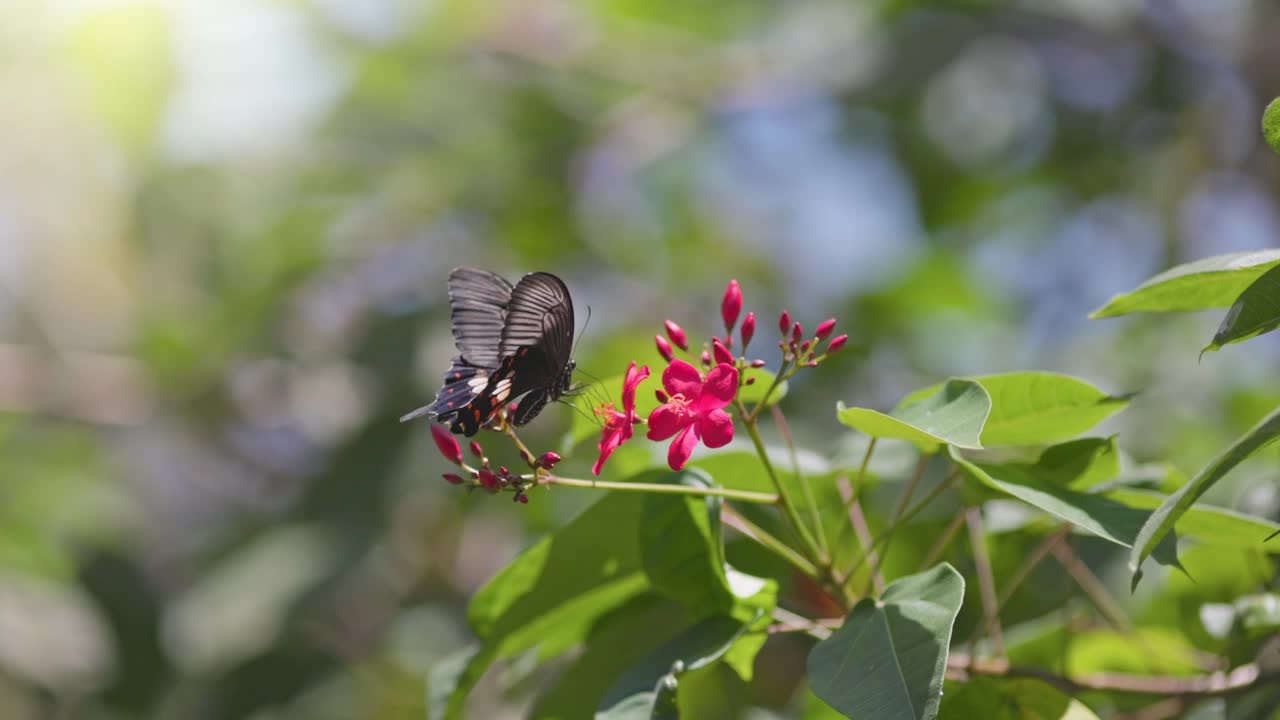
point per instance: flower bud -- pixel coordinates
(837, 342)
(804, 347)
(662, 396)
(757, 363)
(524, 499)
(664, 348)
(722, 353)
(488, 480)
(503, 472)
(678, 338)
(706, 358)
(751, 380)
(748, 329)
(447, 443)
(548, 460)
(476, 449)
(797, 332)
(731, 305)
(825, 328)
(784, 323)
(453, 479)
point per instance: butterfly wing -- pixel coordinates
(540, 315)
(479, 300)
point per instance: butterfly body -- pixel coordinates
(514, 343)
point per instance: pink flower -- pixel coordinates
(748, 329)
(447, 443)
(694, 411)
(617, 425)
(664, 348)
(825, 328)
(731, 305)
(676, 333)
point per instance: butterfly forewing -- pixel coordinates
(479, 300)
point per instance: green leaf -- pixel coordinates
(954, 415)
(1209, 525)
(680, 548)
(1052, 493)
(445, 677)
(641, 689)
(755, 600)
(1271, 124)
(888, 659)
(1141, 651)
(550, 596)
(1258, 615)
(1255, 312)
(1161, 522)
(752, 393)
(1205, 284)
(1036, 408)
(1010, 699)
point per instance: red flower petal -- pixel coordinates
(718, 391)
(667, 420)
(681, 378)
(716, 428)
(682, 447)
(629, 384)
(610, 439)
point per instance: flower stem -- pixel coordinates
(525, 454)
(738, 522)
(783, 428)
(726, 493)
(788, 509)
(862, 472)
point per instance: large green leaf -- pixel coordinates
(680, 548)
(1035, 408)
(953, 415)
(1255, 312)
(646, 690)
(1161, 522)
(1201, 285)
(1010, 699)
(1209, 525)
(887, 660)
(1053, 493)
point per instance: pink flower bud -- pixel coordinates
(825, 328)
(678, 338)
(503, 472)
(447, 443)
(751, 380)
(722, 353)
(804, 347)
(664, 348)
(548, 460)
(837, 342)
(784, 323)
(524, 499)
(488, 480)
(797, 332)
(476, 449)
(811, 363)
(662, 396)
(706, 358)
(757, 363)
(453, 479)
(748, 329)
(731, 305)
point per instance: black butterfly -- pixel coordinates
(512, 342)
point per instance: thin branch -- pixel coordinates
(861, 530)
(788, 510)
(737, 521)
(921, 465)
(1021, 574)
(861, 478)
(726, 493)
(1092, 586)
(986, 580)
(788, 621)
(942, 542)
(1240, 679)
(785, 430)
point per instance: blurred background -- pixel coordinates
(225, 229)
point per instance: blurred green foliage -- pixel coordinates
(225, 229)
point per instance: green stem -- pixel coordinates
(788, 509)
(921, 466)
(726, 493)
(783, 428)
(862, 472)
(737, 521)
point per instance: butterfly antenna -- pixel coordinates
(591, 417)
(582, 332)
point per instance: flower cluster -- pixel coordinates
(486, 477)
